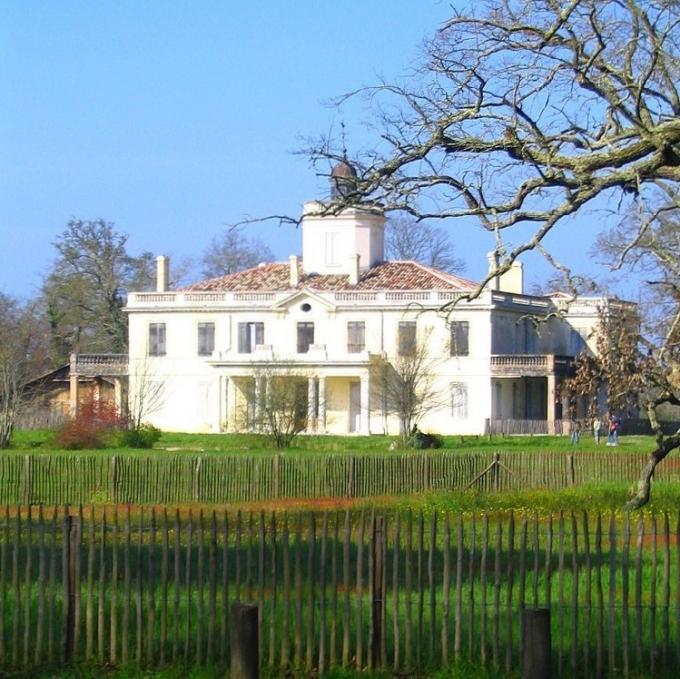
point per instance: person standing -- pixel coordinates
(575, 432)
(597, 426)
(614, 426)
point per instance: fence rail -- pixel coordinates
(76, 478)
(339, 589)
(512, 427)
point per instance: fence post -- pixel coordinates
(245, 651)
(27, 480)
(536, 643)
(570, 469)
(112, 480)
(277, 460)
(197, 484)
(426, 472)
(69, 536)
(378, 586)
(350, 480)
(496, 472)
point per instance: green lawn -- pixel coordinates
(43, 441)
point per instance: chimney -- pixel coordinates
(510, 281)
(354, 269)
(492, 257)
(162, 273)
(294, 274)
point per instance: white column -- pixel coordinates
(118, 395)
(322, 404)
(223, 403)
(74, 396)
(311, 403)
(232, 406)
(267, 401)
(550, 403)
(364, 391)
(258, 403)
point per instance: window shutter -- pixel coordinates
(243, 343)
(161, 339)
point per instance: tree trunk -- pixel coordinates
(641, 498)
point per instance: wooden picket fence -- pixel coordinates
(358, 590)
(181, 479)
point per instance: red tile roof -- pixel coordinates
(275, 276)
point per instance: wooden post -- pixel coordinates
(377, 590)
(27, 480)
(68, 621)
(197, 483)
(536, 643)
(112, 481)
(245, 650)
(496, 472)
(570, 468)
(277, 489)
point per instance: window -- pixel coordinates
(460, 331)
(305, 337)
(459, 401)
(249, 334)
(407, 338)
(156, 339)
(332, 249)
(356, 337)
(206, 339)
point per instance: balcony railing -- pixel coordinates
(245, 298)
(527, 365)
(93, 365)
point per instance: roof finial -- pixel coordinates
(343, 175)
(343, 136)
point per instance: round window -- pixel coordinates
(306, 307)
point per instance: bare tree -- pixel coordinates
(233, 251)
(146, 392)
(407, 239)
(617, 367)
(406, 384)
(22, 355)
(649, 245)
(276, 405)
(526, 113)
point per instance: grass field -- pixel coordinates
(43, 441)
(451, 581)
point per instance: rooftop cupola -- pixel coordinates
(332, 239)
(343, 180)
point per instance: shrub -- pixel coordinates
(141, 437)
(97, 425)
(420, 441)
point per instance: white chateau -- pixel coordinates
(328, 318)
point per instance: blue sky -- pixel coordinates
(172, 119)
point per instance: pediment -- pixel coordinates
(300, 297)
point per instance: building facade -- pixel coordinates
(201, 359)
